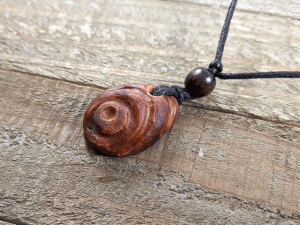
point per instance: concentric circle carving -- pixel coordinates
(126, 120)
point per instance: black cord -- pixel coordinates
(216, 67)
(178, 92)
(279, 74)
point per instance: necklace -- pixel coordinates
(128, 119)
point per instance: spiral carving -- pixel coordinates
(128, 119)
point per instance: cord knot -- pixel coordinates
(215, 67)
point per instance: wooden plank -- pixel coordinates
(48, 177)
(242, 141)
(41, 144)
(272, 7)
(79, 62)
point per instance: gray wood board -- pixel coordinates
(231, 157)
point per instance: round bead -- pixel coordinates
(200, 82)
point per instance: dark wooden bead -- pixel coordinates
(200, 82)
(128, 119)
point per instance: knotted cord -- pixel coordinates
(216, 67)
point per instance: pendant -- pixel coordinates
(128, 119)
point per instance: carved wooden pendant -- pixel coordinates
(126, 120)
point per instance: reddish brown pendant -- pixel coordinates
(126, 120)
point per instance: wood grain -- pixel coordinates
(231, 157)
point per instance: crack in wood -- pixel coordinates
(10, 220)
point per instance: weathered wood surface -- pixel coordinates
(232, 157)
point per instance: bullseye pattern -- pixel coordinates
(126, 120)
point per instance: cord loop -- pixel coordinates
(178, 92)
